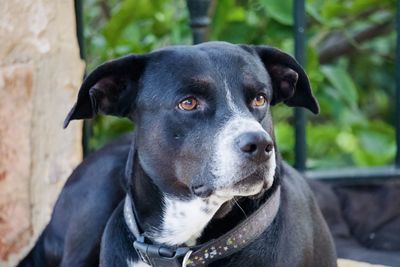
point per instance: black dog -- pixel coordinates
(204, 184)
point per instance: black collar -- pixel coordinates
(202, 255)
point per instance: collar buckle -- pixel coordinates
(157, 255)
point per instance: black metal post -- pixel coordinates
(397, 102)
(79, 27)
(87, 125)
(300, 118)
(199, 19)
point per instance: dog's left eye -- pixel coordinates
(188, 104)
(259, 101)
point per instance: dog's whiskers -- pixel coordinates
(237, 204)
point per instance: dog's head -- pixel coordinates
(202, 113)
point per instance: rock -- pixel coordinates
(40, 74)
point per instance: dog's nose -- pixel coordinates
(256, 146)
(201, 190)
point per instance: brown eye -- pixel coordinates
(188, 104)
(258, 101)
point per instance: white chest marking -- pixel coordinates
(184, 221)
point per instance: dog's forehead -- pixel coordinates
(213, 59)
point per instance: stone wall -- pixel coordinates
(40, 72)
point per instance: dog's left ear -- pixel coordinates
(289, 80)
(110, 89)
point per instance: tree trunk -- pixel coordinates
(40, 73)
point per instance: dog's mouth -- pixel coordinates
(250, 180)
(249, 185)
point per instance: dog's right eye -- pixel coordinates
(259, 101)
(188, 104)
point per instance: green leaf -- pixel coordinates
(128, 14)
(237, 14)
(281, 11)
(343, 83)
(376, 144)
(347, 141)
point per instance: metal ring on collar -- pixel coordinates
(186, 258)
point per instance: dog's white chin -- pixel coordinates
(229, 186)
(247, 187)
(235, 191)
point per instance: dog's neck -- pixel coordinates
(170, 220)
(167, 219)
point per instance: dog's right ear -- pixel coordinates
(110, 89)
(289, 80)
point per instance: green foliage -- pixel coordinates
(281, 11)
(105, 129)
(116, 28)
(355, 91)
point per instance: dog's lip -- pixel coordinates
(250, 179)
(254, 179)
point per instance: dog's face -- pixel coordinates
(204, 121)
(202, 113)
